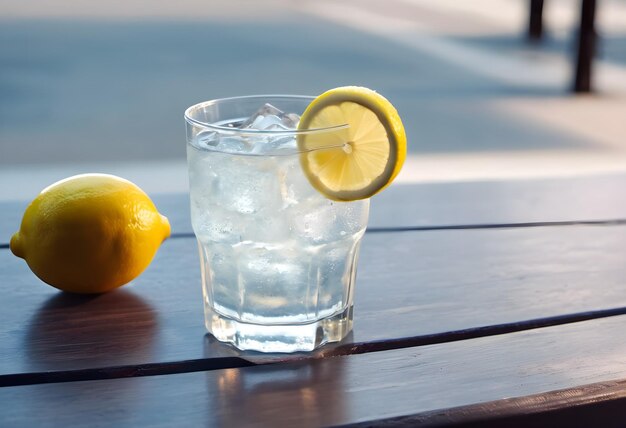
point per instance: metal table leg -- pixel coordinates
(535, 20)
(586, 47)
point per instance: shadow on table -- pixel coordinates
(74, 331)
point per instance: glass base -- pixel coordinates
(279, 338)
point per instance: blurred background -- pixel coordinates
(102, 86)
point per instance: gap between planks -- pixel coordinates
(219, 363)
(610, 222)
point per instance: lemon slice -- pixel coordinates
(354, 162)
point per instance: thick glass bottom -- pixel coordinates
(279, 338)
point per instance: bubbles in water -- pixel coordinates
(250, 185)
(273, 280)
(221, 267)
(214, 224)
(319, 221)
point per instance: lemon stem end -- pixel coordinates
(16, 246)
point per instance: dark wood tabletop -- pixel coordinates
(476, 304)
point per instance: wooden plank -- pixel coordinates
(409, 284)
(598, 404)
(576, 368)
(572, 199)
(549, 200)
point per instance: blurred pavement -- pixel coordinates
(102, 87)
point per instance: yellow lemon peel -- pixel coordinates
(90, 233)
(358, 161)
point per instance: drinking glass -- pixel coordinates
(278, 258)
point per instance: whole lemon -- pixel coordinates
(90, 233)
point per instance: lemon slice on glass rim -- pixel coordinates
(360, 160)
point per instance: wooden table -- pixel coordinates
(477, 304)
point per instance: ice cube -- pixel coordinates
(290, 120)
(233, 144)
(214, 141)
(319, 221)
(274, 145)
(273, 280)
(274, 228)
(294, 186)
(268, 123)
(316, 223)
(214, 224)
(207, 139)
(248, 185)
(265, 110)
(269, 118)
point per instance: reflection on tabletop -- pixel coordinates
(277, 395)
(70, 330)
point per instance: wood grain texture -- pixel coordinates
(585, 198)
(410, 284)
(538, 372)
(598, 404)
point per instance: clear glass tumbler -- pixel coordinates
(278, 259)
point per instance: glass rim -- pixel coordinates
(238, 131)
